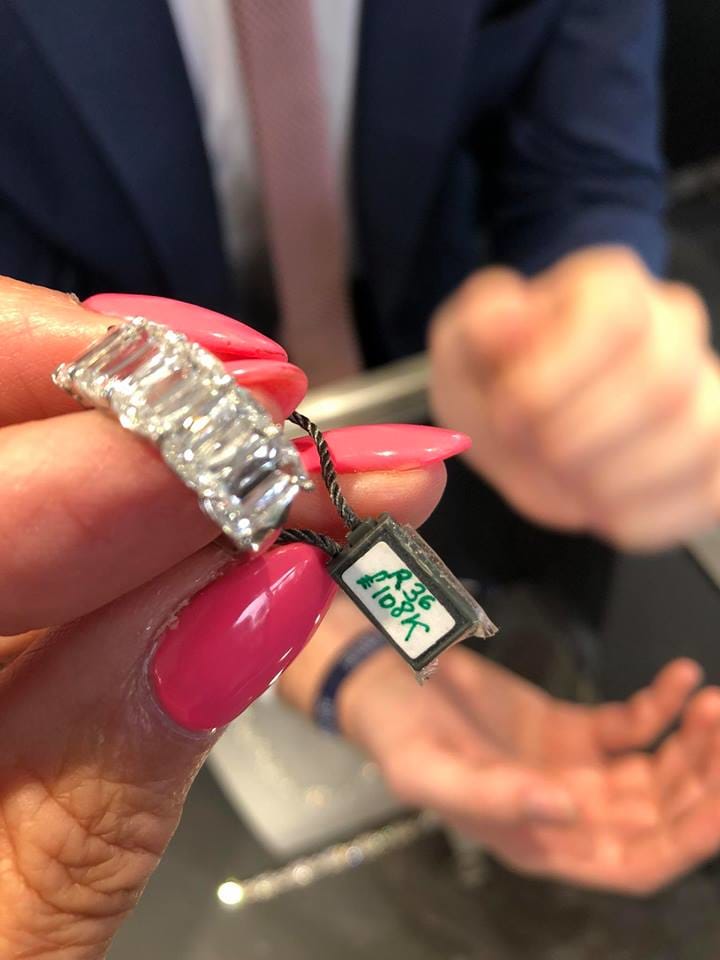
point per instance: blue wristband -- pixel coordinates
(360, 650)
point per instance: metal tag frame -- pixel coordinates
(469, 618)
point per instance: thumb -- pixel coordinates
(494, 314)
(107, 721)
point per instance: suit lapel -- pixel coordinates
(411, 63)
(122, 70)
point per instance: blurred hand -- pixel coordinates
(549, 787)
(591, 394)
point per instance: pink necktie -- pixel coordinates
(300, 187)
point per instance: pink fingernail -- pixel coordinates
(390, 446)
(283, 382)
(228, 339)
(239, 634)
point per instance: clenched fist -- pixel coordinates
(591, 393)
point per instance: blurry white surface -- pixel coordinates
(295, 786)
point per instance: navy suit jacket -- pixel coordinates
(513, 130)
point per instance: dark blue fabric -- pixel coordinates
(102, 156)
(356, 653)
(516, 129)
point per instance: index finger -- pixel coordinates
(41, 328)
(91, 511)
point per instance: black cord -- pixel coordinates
(329, 475)
(330, 546)
(327, 467)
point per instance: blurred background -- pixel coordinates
(325, 865)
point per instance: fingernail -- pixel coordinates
(239, 634)
(391, 446)
(284, 383)
(228, 339)
(551, 804)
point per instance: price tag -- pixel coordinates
(406, 590)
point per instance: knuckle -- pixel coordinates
(624, 259)
(612, 525)
(688, 301)
(622, 307)
(591, 486)
(523, 402)
(615, 265)
(468, 295)
(487, 293)
(632, 317)
(610, 258)
(501, 279)
(620, 257)
(89, 847)
(673, 388)
(552, 451)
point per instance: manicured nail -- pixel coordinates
(389, 446)
(239, 634)
(228, 339)
(284, 383)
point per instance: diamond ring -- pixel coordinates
(212, 433)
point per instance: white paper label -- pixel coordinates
(406, 608)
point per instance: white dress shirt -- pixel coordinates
(206, 37)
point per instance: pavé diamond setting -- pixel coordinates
(212, 433)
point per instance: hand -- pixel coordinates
(551, 788)
(592, 396)
(106, 720)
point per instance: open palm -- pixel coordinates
(552, 787)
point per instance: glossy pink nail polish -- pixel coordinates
(285, 383)
(239, 634)
(228, 339)
(391, 446)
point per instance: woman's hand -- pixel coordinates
(484, 748)
(129, 634)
